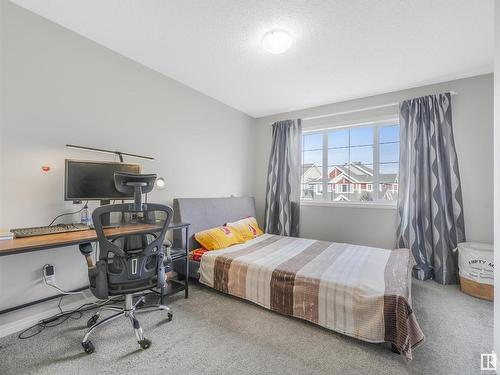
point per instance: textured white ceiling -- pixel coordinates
(342, 49)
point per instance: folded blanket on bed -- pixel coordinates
(359, 291)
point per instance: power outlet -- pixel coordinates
(49, 273)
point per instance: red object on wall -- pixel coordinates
(46, 168)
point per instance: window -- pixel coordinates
(342, 188)
(348, 162)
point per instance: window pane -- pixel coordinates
(350, 165)
(361, 154)
(313, 157)
(338, 156)
(388, 134)
(312, 191)
(361, 136)
(312, 141)
(352, 182)
(389, 163)
(388, 192)
(389, 152)
(339, 185)
(312, 182)
(389, 181)
(363, 173)
(338, 138)
(392, 168)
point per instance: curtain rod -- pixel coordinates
(452, 93)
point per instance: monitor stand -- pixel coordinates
(106, 218)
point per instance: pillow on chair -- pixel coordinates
(248, 228)
(218, 238)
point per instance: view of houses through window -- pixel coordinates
(345, 164)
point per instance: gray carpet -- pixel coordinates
(215, 334)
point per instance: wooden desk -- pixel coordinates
(50, 241)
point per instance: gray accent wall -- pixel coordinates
(473, 130)
(59, 88)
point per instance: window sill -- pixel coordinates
(377, 205)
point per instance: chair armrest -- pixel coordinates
(168, 256)
(86, 248)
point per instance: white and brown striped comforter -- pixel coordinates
(359, 291)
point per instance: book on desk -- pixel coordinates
(6, 234)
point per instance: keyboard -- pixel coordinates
(40, 231)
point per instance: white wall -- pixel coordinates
(61, 88)
(472, 111)
(2, 2)
(496, 319)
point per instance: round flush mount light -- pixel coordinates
(277, 41)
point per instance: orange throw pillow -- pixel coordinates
(218, 238)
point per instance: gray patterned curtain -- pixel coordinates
(430, 209)
(283, 180)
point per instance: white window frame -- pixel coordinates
(377, 202)
(339, 188)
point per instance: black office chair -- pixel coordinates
(128, 264)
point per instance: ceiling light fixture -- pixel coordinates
(277, 41)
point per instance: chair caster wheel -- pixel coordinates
(170, 316)
(88, 347)
(145, 343)
(92, 320)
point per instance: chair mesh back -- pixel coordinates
(133, 260)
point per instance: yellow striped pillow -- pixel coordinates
(218, 238)
(248, 228)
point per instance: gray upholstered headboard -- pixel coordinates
(206, 213)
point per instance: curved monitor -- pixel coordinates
(94, 180)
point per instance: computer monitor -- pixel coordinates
(94, 180)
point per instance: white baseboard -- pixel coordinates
(18, 320)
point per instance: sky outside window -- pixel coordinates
(350, 157)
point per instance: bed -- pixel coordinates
(360, 291)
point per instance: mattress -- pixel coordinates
(359, 291)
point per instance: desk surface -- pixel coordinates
(48, 241)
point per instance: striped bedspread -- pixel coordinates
(359, 291)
